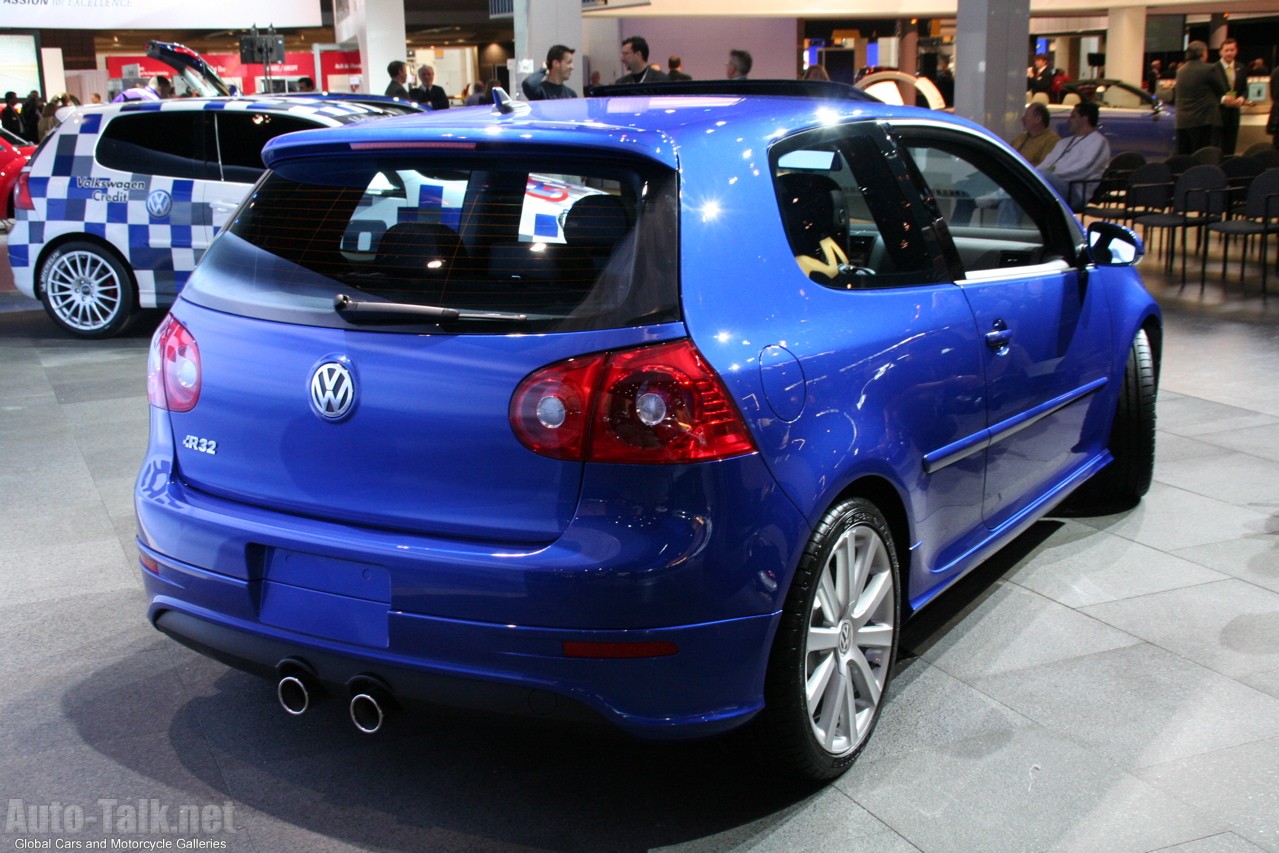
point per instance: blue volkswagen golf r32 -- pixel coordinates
(665, 408)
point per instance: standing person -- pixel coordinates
(1075, 165)
(1235, 76)
(548, 84)
(1037, 139)
(32, 108)
(158, 88)
(815, 72)
(1272, 125)
(305, 84)
(1040, 77)
(398, 71)
(675, 68)
(1153, 75)
(739, 65)
(635, 60)
(475, 97)
(426, 92)
(10, 117)
(1198, 94)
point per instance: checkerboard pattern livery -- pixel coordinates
(159, 216)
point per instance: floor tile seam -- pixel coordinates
(1147, 644)
(1198, 756)
(1221, 576)
(1232, 450)
(1095, 522)
(1223, 580)
(1127, 774)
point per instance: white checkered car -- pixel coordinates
(119, 203)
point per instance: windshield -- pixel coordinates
(530, 247)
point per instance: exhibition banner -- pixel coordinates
(155, 14)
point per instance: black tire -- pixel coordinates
(1122, 483)
(847, 647)
(86, 290)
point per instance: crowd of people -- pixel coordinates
(35, 118)
(551, 80)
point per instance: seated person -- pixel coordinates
(1075, 165)
(1037, 139)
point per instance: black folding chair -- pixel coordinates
(1259, 216)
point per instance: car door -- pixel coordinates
(158, 157)
(1015, 249)
(882, 368)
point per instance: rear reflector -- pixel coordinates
(615, 651)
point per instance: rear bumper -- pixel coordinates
(710, 686)
(696, 556)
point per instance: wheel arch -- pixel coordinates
(885, 496)
(83, 237)
(1154, 330)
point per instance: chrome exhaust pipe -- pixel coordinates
(370, 704)
(298, 688)
(294, 695)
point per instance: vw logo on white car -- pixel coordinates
(159, 204)
(332, 390)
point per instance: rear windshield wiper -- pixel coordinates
(357, 311)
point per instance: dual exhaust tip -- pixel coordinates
(298, 689)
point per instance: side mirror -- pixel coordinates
(1111, 245)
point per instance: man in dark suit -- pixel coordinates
(398, 71)
(426, 92)
(1235, 76)
(1198, 94)
(635, 60)
(1040, 78)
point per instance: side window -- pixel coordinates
(847, 221)
(997, 214)
(165, 142)
(241, 137)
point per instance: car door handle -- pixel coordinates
(998, 338)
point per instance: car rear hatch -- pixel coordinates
(363, 325)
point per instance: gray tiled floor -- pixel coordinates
(1102, 684)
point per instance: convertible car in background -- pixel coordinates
(1131, 118)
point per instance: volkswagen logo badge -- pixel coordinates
(332, 390)
(159, 204)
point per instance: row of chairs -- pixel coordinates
(1237, 197)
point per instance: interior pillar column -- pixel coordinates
(540, 24)
(991, 38)
(377, 26)
(1125, 44)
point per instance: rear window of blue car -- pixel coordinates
(528, 246)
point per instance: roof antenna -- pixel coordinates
(505, 104)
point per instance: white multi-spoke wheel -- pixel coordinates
(86, 290)
(836, 644)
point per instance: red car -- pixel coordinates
(14, 154)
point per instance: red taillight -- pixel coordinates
(653, 404)
(22, 195)
(173, 368)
